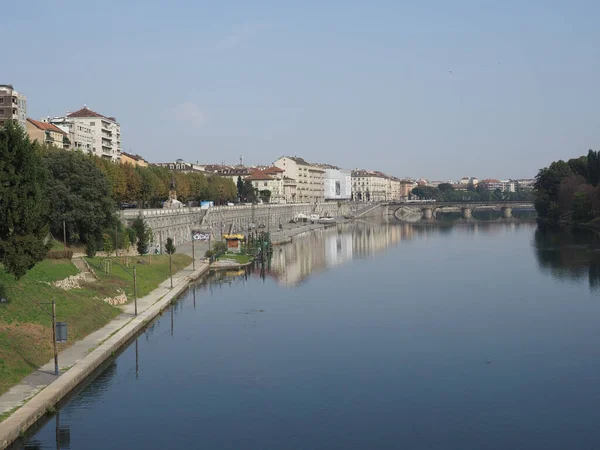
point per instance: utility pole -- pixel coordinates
(65, 235)
(171, 268)
(193, 255)
(160, 239)
(116, 242)
(54, 337)
(135, 288)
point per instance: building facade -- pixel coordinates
(79, 136)
(337, 184)
(369, 186)
(309, 178)
(271, 182)
(134, 160)
(46, 133)
(85, 125)
(13, 106)
(503, 186)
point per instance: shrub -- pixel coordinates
(209, 254)
(219, 247)
(90, 248)
(60, 254)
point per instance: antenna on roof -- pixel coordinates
(241, 160)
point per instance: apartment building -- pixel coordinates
(504, 186)
(46, 133)
(337, 182)
(309, 178)
(13, 106)
(269, 180)
(85, 125)
(369, 186)
(79, 136)
(134, 160)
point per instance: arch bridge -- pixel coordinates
(428, 208)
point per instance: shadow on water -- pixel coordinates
(569, 253)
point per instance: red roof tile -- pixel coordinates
(46, 126)
(86, 112)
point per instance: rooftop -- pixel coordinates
(86, 112)
(45, 126)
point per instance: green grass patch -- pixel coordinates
(151, 271)
(239, 258)
(26, 327)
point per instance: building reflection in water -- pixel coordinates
(325, 249)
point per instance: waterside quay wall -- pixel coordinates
(179, 223)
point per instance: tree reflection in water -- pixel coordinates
(569, 253)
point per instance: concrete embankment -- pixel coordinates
(27, 415)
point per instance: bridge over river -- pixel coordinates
(429, 209)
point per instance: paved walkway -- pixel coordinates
(43, 376)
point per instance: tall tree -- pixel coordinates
(80, 195)
(593, 162)
(23, 203)
(240, 188)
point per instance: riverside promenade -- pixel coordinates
(40, 391)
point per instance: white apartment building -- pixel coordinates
(337, 183)
(81, 137)
(369, 186)
(106, 132)
(310, 179)
(504, 186)
(394, 189)
(13, 106)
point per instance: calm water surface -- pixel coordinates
(462, 336)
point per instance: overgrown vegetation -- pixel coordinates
(569, 190)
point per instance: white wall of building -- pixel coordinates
(338, 184)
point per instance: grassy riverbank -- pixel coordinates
(151, 271)
(238, 258)
(25, 329)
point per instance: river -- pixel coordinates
(445, 336)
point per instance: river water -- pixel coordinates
(455, 335)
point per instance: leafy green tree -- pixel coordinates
(425, 192)
(579, 166)
(23, 203)
(108, 244)
(582, 206)
(240, 188)
(142, 234)
(80, 195)
(90, 247)
(445, 187)
(547, 189)
(170, 246)
(265, 195)
(250, 192)
(593, 167)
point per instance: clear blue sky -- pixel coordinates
(354, 83)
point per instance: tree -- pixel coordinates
(265, 195)
(445, 187)
(23, 203)
(547, 188)
(170, 249)
(593, 167)
(240, 188)
(579, 166)
(250, 194)
(142, 234)
(425, 192)
(80, 195)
